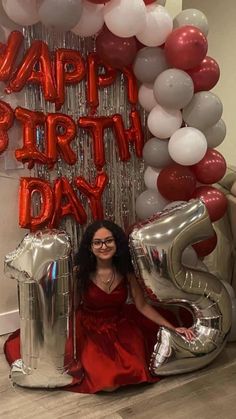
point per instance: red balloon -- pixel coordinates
(132, 87)
(6, 121)
(176, 183)
(37, 53)
(135, 133)
(149, 2)
(186, 47)
(211, 168)
(94, 193)
(9, 54)
(29, 153)
(94, 81)
(66, 203)
(65, 57)
(114, 50)
(215, 201)
(124, 136)
(59, 142)
(206, 75)
(205, 247)
(97, 125)
(28, 186)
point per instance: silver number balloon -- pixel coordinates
(42, 266)
(156, 247)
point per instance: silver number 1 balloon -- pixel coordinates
(156, 247)
(42, 266)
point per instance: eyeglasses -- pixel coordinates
(97, 244)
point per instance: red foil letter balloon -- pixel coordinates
(42, 266)
(156, 247)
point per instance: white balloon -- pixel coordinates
(23, 12)
(125, 18)
(91, 20)
(162, 123)
(158, 26)
(146, 97)
(187, 146)
(150, 177)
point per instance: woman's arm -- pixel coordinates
(148, 311)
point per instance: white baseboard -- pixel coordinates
(9, 322)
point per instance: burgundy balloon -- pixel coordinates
(211, 168)
(215, 201)
(115, 51)
(176, 182)
(205, 247)
(186, 47)
(206, 75)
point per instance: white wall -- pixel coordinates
(221, 16)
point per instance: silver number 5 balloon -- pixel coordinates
(42, 266)
(156, 247)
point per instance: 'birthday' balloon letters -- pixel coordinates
(52, 73)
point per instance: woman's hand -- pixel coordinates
(188, 333)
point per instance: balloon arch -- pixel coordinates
(97, 85)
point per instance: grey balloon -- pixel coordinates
(204, 111)
(62, 15)
(156, 154)
(215, 135)
(149, 62)
(173, 88)
(192, 17)
(148, 203)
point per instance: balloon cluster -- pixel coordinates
(184, 119)
(169, 59)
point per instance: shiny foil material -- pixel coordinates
(157, 246)
(41, 264)
(125, 178)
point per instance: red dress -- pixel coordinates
(110, 342)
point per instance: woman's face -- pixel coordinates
(103, 244)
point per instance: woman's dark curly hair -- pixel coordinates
(86, 261)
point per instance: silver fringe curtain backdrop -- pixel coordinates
(125, 178)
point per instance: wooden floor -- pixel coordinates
(209, 393)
